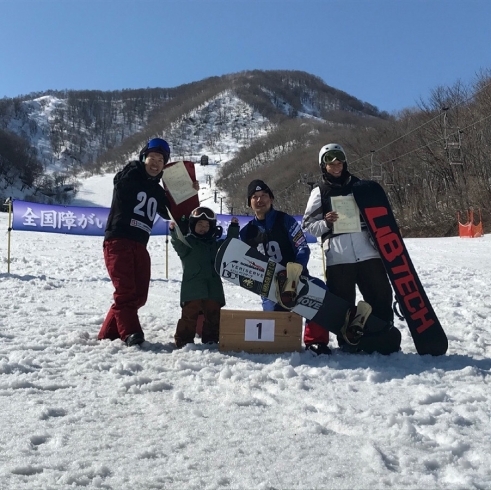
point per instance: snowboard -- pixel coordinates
(180, 210)
(248, 268)
(426, 330)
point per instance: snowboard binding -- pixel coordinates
(356, 317)
(287, 282)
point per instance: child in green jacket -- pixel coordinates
(201, 286)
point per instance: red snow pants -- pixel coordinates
(128, 265)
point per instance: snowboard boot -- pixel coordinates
(319, 349)
(286, 285)
(352, 330)
(134, 339)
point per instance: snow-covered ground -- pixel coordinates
(78, 413)
(97, 190)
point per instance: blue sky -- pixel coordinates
(390, 53)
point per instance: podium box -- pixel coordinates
(260, 332)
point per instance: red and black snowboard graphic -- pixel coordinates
(426, 330)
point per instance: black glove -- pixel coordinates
(218, 232)
(184, 225)
(254, 236)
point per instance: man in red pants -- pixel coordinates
(137, 197)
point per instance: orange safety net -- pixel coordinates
(469, 229)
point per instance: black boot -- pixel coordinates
(134, 339)
(319, 349)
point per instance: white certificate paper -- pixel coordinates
(178, 182)
(348, 215)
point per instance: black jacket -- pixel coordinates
(137, 197)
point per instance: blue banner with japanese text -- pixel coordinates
(76, 220)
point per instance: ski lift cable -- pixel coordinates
(393, 160)
(424, 124)
(430, 143)
(397, 139)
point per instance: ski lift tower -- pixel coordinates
(389, 177)
(308, 180)
(375, 168)
(452, 137)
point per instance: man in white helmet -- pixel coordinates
(351, 259)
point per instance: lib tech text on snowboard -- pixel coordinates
(392, 249)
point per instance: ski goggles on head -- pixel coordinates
(158, 144)
(332, 155)
(204, 213)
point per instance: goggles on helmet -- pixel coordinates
(332, 155)
(158, 143)
(203, 213)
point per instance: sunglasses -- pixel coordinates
(206, 213)
(332, 155)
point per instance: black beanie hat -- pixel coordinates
(255, 186)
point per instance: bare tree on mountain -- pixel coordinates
(18, 160)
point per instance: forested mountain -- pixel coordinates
(433, 160)
(69, 133)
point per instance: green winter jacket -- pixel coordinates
(199, 278)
